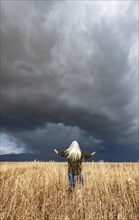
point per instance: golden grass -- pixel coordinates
(39, 191)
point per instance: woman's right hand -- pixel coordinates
(93, 153)
(55, 151)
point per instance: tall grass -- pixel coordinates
(39, 191)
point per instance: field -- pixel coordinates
(39, 191)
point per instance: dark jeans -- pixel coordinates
(72, 180)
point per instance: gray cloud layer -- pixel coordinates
(69, 71)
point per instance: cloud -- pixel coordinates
(8, 145)
(70, 63)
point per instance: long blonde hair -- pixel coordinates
(74, 151)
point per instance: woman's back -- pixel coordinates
(74, 157)
(74, 166)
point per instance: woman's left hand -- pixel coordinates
(55, 151)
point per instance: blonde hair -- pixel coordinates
(74, 151)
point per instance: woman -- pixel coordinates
(74, 157)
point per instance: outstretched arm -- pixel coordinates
(87, 156)
(62, 154)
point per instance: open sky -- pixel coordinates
(69, 71)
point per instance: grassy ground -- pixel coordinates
(39, 191)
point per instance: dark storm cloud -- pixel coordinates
(73, 64)
(55, 136)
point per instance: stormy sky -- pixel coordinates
(69, 71)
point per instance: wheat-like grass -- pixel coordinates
(39, 191)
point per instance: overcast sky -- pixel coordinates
(69, 72)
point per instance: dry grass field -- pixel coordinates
(39, 191)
